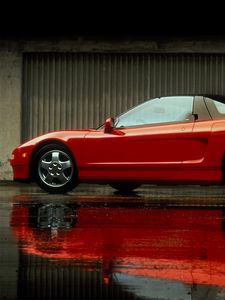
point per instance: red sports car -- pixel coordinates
(175, 139)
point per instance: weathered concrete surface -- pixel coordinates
(156, 243)
(148, 44)
(10, 106)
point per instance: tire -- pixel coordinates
(55, 170)
(125, 187)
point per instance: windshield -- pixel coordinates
(158, 110)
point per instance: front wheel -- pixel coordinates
(125, 187)
(55, 170)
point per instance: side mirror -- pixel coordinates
(109, 125)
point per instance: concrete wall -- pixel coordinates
(11, 52)
(10, 105)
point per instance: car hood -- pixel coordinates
(62, 135)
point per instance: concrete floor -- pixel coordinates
(157, 243)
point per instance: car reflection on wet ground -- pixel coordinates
(157, 243)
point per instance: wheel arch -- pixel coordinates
(38, 147)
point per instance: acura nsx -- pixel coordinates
(165, 140)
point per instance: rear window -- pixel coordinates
(216, 108)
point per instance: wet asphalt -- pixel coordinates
(159, 242)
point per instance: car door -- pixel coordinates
(146, 143)
(199, 140)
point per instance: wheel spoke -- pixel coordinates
(62, 178)
(65, 164)
(55, 156)
(45, 164)
(49, 178)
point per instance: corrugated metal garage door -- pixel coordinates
(42, 278)
(70, 90)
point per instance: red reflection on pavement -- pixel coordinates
(186, 245)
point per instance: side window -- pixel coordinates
(216, 108)
(159, 110)
(220, 107)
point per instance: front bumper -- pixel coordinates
(20, 164)
(20, 173)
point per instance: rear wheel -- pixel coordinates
(55, 170)
(125, 187)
